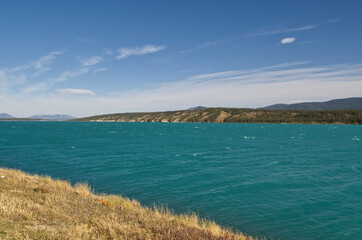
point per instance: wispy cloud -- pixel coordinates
(108, 52)
(91, 61)
(76, 91)
(147, 49)
(45, 60)
(207, 44)
(84, 40)
(40, 86)
(214, 43)
(281, 30)
(288, 40)
(333, 20)
(291, 82)
(10, 77)
(64, 76)
(99, 70)
(270, 31)
(257, 87)
(40, 65)
(225, 74)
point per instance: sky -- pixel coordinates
(91, 57)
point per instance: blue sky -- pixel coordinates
(93, 57)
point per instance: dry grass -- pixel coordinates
(34, 207)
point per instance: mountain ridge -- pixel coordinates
(52, 117)
(5, 115)
(353, 103)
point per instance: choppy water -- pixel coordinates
(272, 180)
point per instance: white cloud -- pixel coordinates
(286, 83)
(147, 49)
(100, 70)
(91, 61)
(333, 20)
(20, 75)
(287, 40)
(76, 91)
(64, 76)
(39, 65)
(45, 60)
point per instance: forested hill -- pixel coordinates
(336, 104)
(236, 115)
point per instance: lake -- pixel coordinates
(280, 181)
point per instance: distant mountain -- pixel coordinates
(336, 104)
(52, 117)
(5, 115)
(196, 108)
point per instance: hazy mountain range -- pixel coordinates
(41, 116)
(335, 104)
(5, 115)
(52, 117)
(354, 103)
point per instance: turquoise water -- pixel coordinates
(274, 180)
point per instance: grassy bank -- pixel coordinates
(35, 207)
(237, 115)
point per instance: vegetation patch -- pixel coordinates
(34, 207)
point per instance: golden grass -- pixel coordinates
(34, 207)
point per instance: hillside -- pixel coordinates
(33, 207)
(236, 115)
(336, 104)
(5, 115)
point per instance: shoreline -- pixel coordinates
(236, 115)
(115, 121)
(313, 123)
(34, 207)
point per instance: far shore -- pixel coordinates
(226, 115)
(115, 121)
